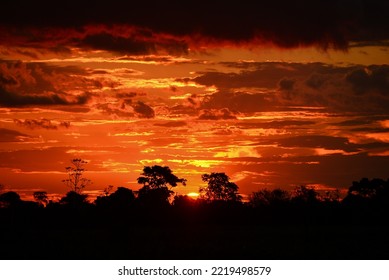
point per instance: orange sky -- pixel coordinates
(267, 115)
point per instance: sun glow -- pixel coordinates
(193, 195)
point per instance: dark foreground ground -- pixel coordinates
(211, 242)
(80, 235)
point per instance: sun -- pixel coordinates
(193, 195)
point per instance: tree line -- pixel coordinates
(154, 222)
(157, 192)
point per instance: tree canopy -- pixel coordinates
(219, 188)
(157, 183)
(366, 188)
(154, 177)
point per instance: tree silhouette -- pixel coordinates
(332, 196)
(369, 189)
(107, 191)
(121, 198)
(9, 199)
(156, 176)
(183, 200)
(157, 183)
(219, 188)
(305, 195)
(266, 197)
(75, 181)
(74, 199)
(41, 198)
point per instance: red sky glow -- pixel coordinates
(273, 100)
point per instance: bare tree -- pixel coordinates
(75, 181)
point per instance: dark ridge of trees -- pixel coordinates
(10, 199)
(154, 222)
(376, 190)
(74, 199)
(265, 198)
(122, 198)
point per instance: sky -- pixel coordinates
(276, 94)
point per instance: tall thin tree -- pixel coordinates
(75, 181)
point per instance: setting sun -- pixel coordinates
(193, 195)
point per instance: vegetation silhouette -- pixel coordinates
(41, 198)
(122, 198)
(219, 188)
(75, 180)
(265, 198)
(74, 199)
(157, 182)
(157, 223)
(10, 199)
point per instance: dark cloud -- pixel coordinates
(132, 44)
(240, 101)
(179, 110)
(316, 81)
(126, 98)
(143, 110)
(331, 23)
(368, 79)
(347, 89)
(359, 121)
(35, 76)
(40, 84)
(122, 39)
(371, 129)
(105, 41)
(7, 81)
(9, 135)
(327, 142)
(41, 124)
(261, 75)
(113, 110)
(126, 95)
(338, 88)
(213, 114)
(267, 86)
(275, 124)
(286, 84)
(259, 78)
(334, 170)
(12, 99)
(319, 141)
(172, 124)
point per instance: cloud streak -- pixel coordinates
(10, 135)
(41, 124)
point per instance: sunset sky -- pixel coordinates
(275, 94)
